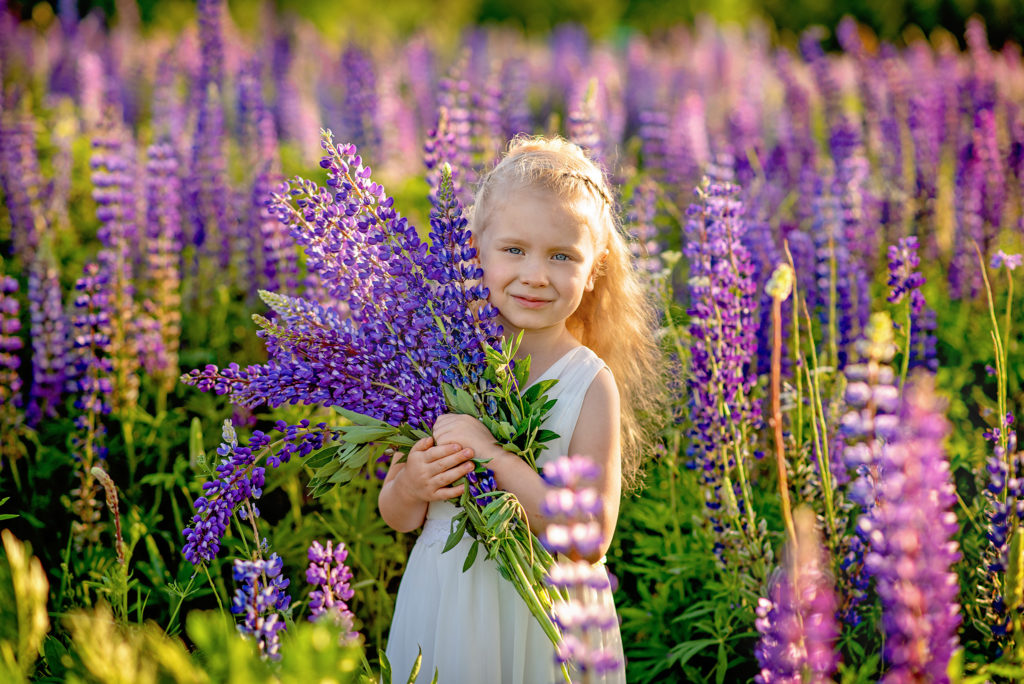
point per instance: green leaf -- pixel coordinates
(321, 457)
(546, 435)
(456, 536)
(471, 556)
(361, 434)
(196, 453)
(682, 652)
(358, 418)
(385, 665)
(534, 392)
(415, 672)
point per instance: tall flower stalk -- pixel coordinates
(913, 551)
(721, 382)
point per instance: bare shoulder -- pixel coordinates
(599, 415)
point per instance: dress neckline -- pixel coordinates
(554, 366)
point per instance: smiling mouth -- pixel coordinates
(530, 302)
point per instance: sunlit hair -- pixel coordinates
(615, 319)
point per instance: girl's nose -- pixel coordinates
(533, 273)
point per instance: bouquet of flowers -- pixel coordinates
(403, 335)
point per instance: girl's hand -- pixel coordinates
(430, 470)
(458, 428)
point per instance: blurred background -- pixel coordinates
(891, 20)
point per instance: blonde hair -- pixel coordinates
(616, 319)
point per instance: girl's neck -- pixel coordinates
(544, 346)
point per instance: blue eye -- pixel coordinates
(562, 257)
(513, 250)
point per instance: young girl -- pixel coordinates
(558, 269)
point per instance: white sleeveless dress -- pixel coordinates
(473, 626)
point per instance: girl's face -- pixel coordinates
(538, 259)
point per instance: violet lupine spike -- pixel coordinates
(641, 224)
(688, 149)
(114, 192)
(332, 578)
(797, 622)
(163, 249)
(724, 347)
(991, 161)
(206, 185)
(93, 384)
(441, 146)
(410, 326)
(572, 504)
(834, 271)
(964, 277)
(237, 485)
(261, 598)
(873, 400)
(515, 111)
(904, 278)
(50, 340)
(21, 183)
(1004, 497)
(582, 126)
(359, 111)
(849, 186)
(912, 530)
(10, 381)
(454, 97)
(654, 150)
(420, 65)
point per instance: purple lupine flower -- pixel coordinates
(849, 187)
(654, 150)
(1011, 261)
(641, 224)
(389, 357)
(10, 382)
(206, 186)
(834, 272)
(359, 110)
(454, 97)
(904, 278)
(1004, 497)
(964, 277)
(327, 571)
(873, 400)
(721, 309)
(50, 341)
(163, 247)
(420, 65)
(92, 383)
(912, 531)
(480, 485)
(21, 183)
(582, 126)
(797, 623)
(237, 485)
(114, 192)
(441, 146)
(571, 504)
(261, 599)
(515, 111)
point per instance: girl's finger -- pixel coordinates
(449, 492)
(441, 451)
(455, 461)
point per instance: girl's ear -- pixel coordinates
(598, 270)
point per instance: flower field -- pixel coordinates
(833, 239)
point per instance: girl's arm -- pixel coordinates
(596, 436)
(425, 476)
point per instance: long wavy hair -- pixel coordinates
(616, 319)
